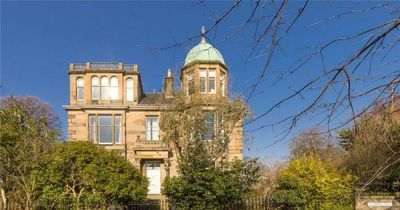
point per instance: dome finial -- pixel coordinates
(169, 74)
(203, 33)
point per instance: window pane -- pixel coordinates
(129, 89)
(211, 81)
(79, 89)
(80, 93)
(152, 128)
(104, 88)
(209, 124)
(222, 84)
(105, 134)
(95, 88)
(114, 81)
(203, 80)
(95, 81)
(114, 93)
(92, 128)
(92, 120)
(117, 133)
(79, 82)
(114, 88)
(105, 120)
(190, 84)
(95, 93)
(105, 129)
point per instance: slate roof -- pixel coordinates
(151, 99)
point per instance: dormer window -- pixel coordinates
(80, 93)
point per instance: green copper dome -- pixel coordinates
(203, 52)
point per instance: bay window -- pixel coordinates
(105, 129)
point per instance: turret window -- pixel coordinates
(203, 75)
(95, 88)
(104, 88)
(222, 83)
(129, 89)
(209, 120)
(80, 89)
(190, 84)
(211, 80)
(114, 88)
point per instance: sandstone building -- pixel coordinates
(108, 107)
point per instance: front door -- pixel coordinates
(154, 176)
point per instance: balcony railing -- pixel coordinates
(103, 66)
(142, 144)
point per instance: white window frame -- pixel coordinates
(129, 89)
(154, 133)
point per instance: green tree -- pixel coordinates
(81, 173)
(28, 129)
(309, 183)
(212, 188)
(207, 179)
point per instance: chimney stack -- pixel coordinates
(169, 85)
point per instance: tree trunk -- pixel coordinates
(3, 199)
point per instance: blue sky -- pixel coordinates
(40, 39)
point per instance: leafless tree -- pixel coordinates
(337, 92)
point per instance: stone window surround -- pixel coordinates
(96, 131)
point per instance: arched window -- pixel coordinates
(104, 88)
(114, 88)
(80, 89)
(129, 89)
(95, 88)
